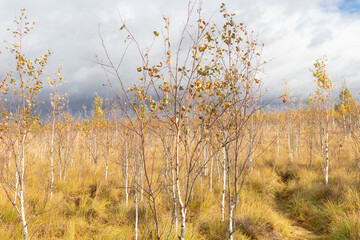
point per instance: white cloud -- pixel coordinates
(295, 34)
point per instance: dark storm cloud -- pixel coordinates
(295, 34)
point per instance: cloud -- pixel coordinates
(295, 35)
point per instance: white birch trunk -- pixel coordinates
(22, 197)
(344, 126)
(251, 153)
(299, 143)
(136, 214)
(16, 185)
(95, 154)
(251, 144)
(327, 157)
(52, 157)
(181, 204)
(142, 183)
(126, 173)
(174, 199)
(201, 173)
(211, 169)
(18, 160)
(60, 161)
(311, 151)
(291, 155)
(183, 221)
(278, 143)
(230, 227)
(224, 185)
(297, 146)
(218, 170)
(106, 164)
(350, 126)
(205, 160)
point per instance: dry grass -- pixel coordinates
(279, 200)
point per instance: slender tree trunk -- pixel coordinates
(126, 172)
(350, 128)
(179, 198)
(201, 172)
(141, 183)
(311, 151)
(106, 163)
(107, 159)
(166, 171)
(251, 151)
(90, 151)
(119, 163)
(218, 167)
(22, 181)
(277, 142)
(22, 208)
(291, 151)
(67, 154)
(17, 176)
(205, 159)
(60, 160)
(251, 144)
(344, 126)
(224, 184)
(52, 156)
(211, 169)
(136, 214)
(16, 185)
(174, 198)
(298, 140)
(231, 219)
(231, 206)
(183, 221)
(95, 154)
(327, 157)
(73, 152)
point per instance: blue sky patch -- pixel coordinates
(350, 6)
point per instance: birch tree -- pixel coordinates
(346, 111)
(23, 85)
(98, 123)
(55, 99)
(322, 101)
(205, 74)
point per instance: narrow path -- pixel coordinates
(282, 205)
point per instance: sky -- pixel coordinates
(295, 34)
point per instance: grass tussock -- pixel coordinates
(278, 199)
